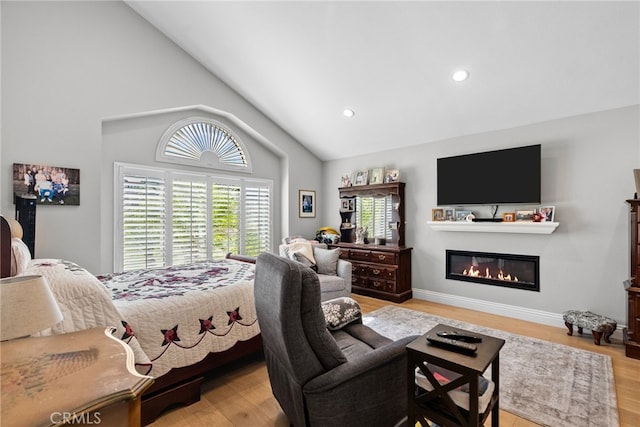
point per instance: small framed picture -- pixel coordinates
(437, 214)
(377, 176)
(462, 215)
(548, 213)
(391, 175)
(345, 180)
(361, 177)
(509, 216)
(525, 215)
(347, 205)
(307, 203)
(449, 214)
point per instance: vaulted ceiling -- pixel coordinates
(302, 63)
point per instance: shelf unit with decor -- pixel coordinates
(380, 271)
(631, 334)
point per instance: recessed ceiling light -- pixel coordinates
(460, 75)
(348, 112)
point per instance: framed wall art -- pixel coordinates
(51, 185)
(306, 203)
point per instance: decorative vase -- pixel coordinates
(636, 175)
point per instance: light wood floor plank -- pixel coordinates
(242, 395)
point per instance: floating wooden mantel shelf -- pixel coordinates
(521, 227)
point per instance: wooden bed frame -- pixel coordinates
(179, 385)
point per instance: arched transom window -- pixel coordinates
(203, 142)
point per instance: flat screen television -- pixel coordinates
(509, 176)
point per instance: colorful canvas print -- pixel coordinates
(50, 185)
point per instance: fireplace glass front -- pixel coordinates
(509, 270)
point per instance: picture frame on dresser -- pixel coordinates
(361, 177)
(391, 175)
(377, 176)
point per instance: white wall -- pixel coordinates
(67, 67)
(587, 164)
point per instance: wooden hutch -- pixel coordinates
(632, 333)
(379, 270)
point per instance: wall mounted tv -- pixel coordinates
(509, 176)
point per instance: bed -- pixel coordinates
(182, 323)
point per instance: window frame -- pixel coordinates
(170, 175)
(202, 162)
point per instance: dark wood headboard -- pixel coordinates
(5, 248)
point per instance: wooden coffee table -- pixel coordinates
(437, 405)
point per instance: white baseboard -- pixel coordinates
(522, 313)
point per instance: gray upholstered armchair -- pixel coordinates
(351, 376)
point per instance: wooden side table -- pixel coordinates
(84, 377)
(436, 405)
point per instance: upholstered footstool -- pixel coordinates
(600, 326)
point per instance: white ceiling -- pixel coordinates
(303, 62)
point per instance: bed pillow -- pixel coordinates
(20, 256)
(327, 260)
(339, 312)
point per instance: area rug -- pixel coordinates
(546, 383)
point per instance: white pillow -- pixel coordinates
(327, 260)
(20, 256)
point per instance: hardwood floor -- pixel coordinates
(242, 396)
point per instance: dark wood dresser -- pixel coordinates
(631, 334)
(381, 271)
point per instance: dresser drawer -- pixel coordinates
(383, 257)
(358, 255)
(382, 285)
(380, 272)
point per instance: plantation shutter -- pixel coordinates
(257, 219)
(189, 220)
(373, 215)
(144, 220)
(225, 219)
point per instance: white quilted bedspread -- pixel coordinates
(170, 317)
(181, 314)
(84, 303)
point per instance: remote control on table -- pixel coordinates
(460, 336)
(450, 344)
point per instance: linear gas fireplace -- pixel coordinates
(509, 270)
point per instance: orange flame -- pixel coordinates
(473, 271)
